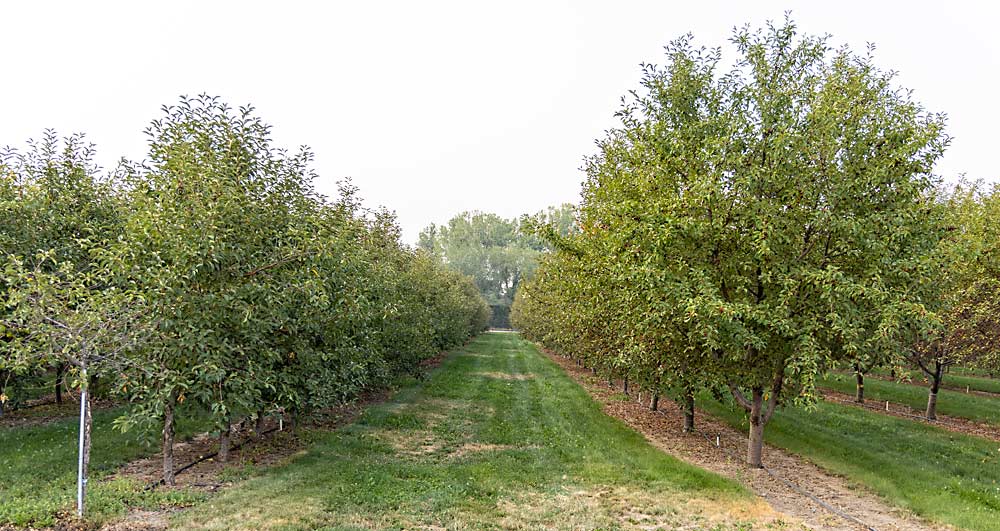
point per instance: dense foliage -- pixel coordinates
(212, 274)
(748, 230)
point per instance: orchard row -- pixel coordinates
(745, 231)
(211, 277)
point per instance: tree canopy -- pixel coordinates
(750, 228)
(212, 277)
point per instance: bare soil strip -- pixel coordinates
(663, 430)
(945, 422)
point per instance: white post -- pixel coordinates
(81, 481)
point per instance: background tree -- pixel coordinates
(497, 253)
(968, 287)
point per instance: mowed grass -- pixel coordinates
(38, 470)
(940, 475)
(498, 437)
(953, 403)
(956, 379)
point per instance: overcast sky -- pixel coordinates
(438, 107)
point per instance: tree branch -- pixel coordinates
(741, 399)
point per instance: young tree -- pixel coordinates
(76, 318)
(55, 211)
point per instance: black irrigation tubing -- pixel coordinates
(204, 458)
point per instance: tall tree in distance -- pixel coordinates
(494, 251)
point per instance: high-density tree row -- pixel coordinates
(211, 278)
(748, 228)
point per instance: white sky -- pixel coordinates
(436, 108)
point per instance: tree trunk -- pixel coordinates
(625, 385)
(859, 376)
(225, 441)
(60, 372)
(258, 428)
(755, 447)
(688, 410)
(168, 441)
(932, 396)
(654, 403)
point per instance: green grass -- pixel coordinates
(38, 470)
(943, 476)
(954, 379)
(972, 371)
(497, 438)
(953, 403)
(974, 383)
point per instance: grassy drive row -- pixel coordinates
(943, 476)
(497, 438)
(951, 379)
(38, 470)
(972, 371)
(953, 403)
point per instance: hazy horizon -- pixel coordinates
(434, 109)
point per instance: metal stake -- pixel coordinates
(81, 482)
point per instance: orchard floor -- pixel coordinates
(497, 437)
(663, 429)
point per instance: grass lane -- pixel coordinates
(956, 379)
(497, 438)
(38, 470)
(943, 476)
(953, 403)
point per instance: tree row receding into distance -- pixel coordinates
(210, 279)
(747, 229)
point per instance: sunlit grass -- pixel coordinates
(497, 438)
